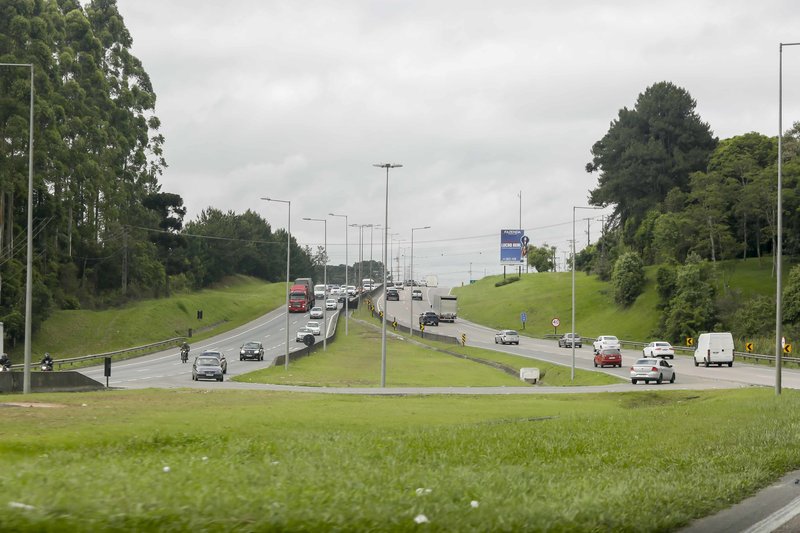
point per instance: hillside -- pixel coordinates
(544, 296)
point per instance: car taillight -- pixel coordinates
(653, 369)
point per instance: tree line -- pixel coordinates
(104, 232)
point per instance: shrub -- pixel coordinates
(628, 278)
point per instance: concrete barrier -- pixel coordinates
(66, 381)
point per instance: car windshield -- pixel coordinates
(312, 325)
(207, 361)
(251, 346)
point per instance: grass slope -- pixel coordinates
(548, 295)
(263, 461)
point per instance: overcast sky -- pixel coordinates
(479, 101)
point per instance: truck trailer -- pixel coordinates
(446, 306)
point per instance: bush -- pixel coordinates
(628, 278)
(506, 281)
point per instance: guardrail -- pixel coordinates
(689, 349)
(126, 351)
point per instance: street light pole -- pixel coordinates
(324, 281)
(387, 166)
(346, 278)
(574, 208)
(288, 263)
(779, 244)
(26, 372)
(411, 305)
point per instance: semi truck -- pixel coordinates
(446, 306)
(301, 295)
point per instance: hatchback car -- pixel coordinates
(302, 333)
(314, 327)
(392, 295)
(566, 341)
(659, 349)
(316, 312)
(651, 369)
(206, 367)
(608, 356)
(428, 318)
(331, 304)
(219, 355)
(251, 350)
(416, 294)
(506, 336)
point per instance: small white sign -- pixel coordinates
(556, 322)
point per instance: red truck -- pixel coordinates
(300, 299)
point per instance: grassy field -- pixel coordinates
(548, 295)
(355, 361)
(80, 332)
(205, 460)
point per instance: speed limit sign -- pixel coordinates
(556, 322)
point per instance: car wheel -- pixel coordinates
(220, 379)
(672, 356)
(660, 379)
(261, 358)
(730, 365)
(517, 343)
(633, 381)
(706, 363)
(644, 354)
(241, 359)
(580, 346)
(495, 340)
(696, 363)
(595, 364)
(672, 379)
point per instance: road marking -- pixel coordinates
(776, 519)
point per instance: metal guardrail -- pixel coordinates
(72, 360)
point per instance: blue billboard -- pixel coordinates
(513, 246)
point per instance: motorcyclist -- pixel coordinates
(184, 351)
(5, 361)
(47, 361)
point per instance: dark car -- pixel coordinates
(223, 363)
(428, 318)
(392, 295)
(207, 367)
(251, 350)
(608, 356)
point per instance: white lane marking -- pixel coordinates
(776, 519)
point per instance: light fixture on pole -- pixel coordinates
(346, 278)
(411, 275)
(26, 373)
(325, 281)
(574, 208)
(288, 263)
(779, 243)
(387, 166)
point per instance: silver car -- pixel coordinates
(506, 336)
(652, 369)
(566, 341)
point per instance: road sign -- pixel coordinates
(787, 348)
(556, 322)
(689, 341)
(463, 339)
(422, 327)
(748, 346)
(394, 324)
(523, 317)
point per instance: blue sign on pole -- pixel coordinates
(511, 246)
(523, 317)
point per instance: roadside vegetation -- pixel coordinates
(222, 460)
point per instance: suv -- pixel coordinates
(428, 318)
(566, 341)
(416, 294)
(251, 350)
(392, 295)
(606, 341)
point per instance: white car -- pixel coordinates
(506, 336)
(302, 333)
(314, 327)
(659, 349)
(604, 342)
(652, 369)
(416, 294)
(331, 304)
(316, 312)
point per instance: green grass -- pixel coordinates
(266, 461)
(544, 296)
(354, 360)
(226, 306)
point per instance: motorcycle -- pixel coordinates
(184, 355)
(46, 367)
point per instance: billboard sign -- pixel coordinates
(512, 242)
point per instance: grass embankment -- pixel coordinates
(354, 360)
(548, 295)
(226, 306)
(256, 461)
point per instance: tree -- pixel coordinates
(541, 258)
(648, 151)
(791, 296)
(691, 309)
(628, 278)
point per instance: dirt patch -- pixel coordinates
(32, 404)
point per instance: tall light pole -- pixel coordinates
(26, 374)
(779, 244)
(360, 251)
(411, 305)
(574, 208)
(288, 263)
(387, 166)
(325, 281)
(346, 278)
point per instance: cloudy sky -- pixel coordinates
(481, 102)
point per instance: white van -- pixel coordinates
(714, 349)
